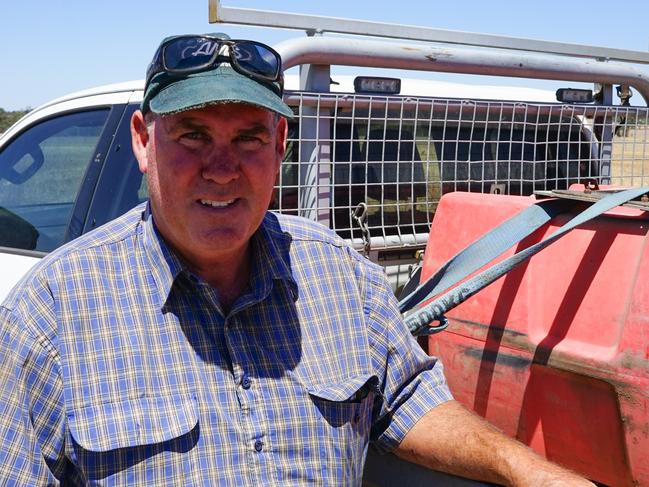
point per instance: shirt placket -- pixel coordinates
(256, 435)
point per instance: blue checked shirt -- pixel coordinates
(119, 368)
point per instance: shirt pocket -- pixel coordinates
(131, 423)
(345, 402)
(343, 409)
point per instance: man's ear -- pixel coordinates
(140, 140)
(280, 140)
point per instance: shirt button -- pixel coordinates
(245, 381)
(259, 445)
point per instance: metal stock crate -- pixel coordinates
(377, 175)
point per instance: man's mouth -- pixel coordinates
(216, 204)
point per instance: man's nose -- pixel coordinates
(221, 166)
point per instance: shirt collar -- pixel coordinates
(165, 265)
(270, 257)
(271, 254)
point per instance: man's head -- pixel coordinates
(210, 137)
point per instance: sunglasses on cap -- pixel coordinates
(187, 54)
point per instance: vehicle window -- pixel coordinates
(121, 185)
(41, 172)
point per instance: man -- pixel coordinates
(200, 340)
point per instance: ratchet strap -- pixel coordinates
(420, 314)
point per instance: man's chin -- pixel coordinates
(219, 242)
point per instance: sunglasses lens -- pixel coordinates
(256, 59)
(189, 53)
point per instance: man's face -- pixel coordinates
(211, 173)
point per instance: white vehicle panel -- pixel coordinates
(69, 104)
(14, 267)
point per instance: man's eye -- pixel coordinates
(250, 141)
(193, 136)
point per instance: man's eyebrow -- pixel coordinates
(187, 123)
(255, 129)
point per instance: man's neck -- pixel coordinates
(229, 278)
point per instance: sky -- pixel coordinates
(49, 48)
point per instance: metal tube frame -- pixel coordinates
(321, 24)
(453, 59)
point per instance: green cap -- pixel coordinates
(169, 93)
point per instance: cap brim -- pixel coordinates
(222, 85)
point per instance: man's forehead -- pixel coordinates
(229, 111)
(234, 115)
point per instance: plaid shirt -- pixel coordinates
(119, 368)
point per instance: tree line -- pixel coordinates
(7, 119)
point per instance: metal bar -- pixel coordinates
(315, 173)
(393, 241)
(441, 106)
(454, 59)
(591, 197)
(606, 147)
(320, 24)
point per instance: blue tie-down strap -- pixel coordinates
(420, 317)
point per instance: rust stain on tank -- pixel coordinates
(498, 357)
(634, 361)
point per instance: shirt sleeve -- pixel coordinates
(32, 422)
(411, 382)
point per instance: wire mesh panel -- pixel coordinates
(374, 167)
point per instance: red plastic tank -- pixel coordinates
(555, 353)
